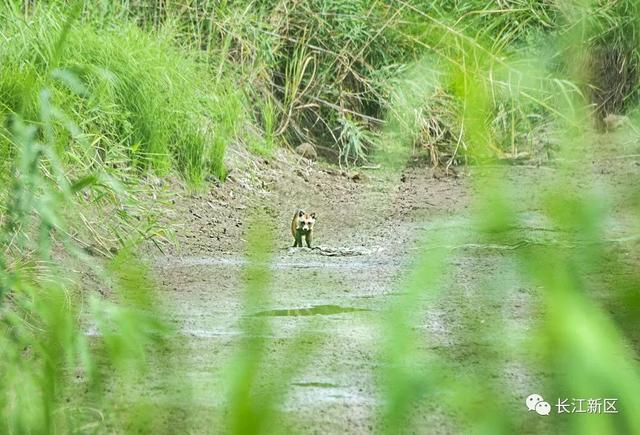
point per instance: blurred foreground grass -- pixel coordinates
(69, 357)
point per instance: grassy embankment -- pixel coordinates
(93, 100)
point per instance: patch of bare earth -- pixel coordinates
(378, 215)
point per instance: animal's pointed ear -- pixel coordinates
(300, 213)
(313, 215)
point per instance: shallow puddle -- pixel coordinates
(315, 384)
(322, 310)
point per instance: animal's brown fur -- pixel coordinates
(302, 225)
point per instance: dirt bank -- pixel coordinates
(377, 217)
(354, 207)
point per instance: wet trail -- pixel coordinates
(339, 298)
(342, 299)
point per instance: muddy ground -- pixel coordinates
(380, 220)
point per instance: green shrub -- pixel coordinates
(131, 93)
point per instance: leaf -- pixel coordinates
(70, 79)
(83, 182)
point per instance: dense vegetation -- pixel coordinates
(169, 85)
(97, 96)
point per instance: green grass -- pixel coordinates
(134, 97)
(315, 64)
(89, 104)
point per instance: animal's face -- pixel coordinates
(306, 221)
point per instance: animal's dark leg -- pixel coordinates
(298, 241)
(307, 238)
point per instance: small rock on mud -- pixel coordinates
(613, 122)
(358, 176)
(307, 151)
